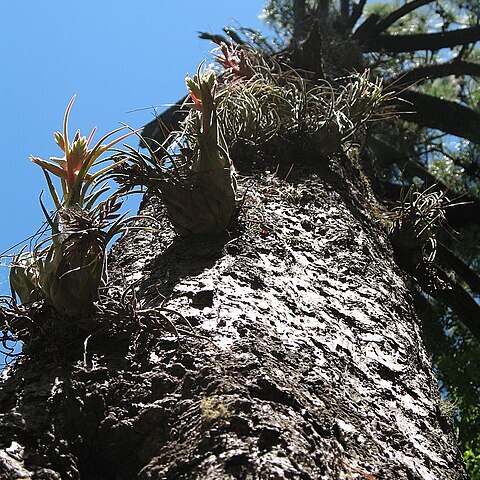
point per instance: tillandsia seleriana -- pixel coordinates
(67, 267)
(261, 99)
(255, 100)
(414, 223)
(192, 172)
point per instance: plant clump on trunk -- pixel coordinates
(193, 172)
(305, 357)
(56, 286)
(256, 102)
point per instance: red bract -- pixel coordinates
(234, 60)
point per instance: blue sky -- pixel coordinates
(117, 56)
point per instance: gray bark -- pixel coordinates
(305, 360)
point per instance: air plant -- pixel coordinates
(201, 196)
(414, 223)
(67, 267)
(355, 101)
(261, 99)
(234, 60)
(254, 101)
(193, 173)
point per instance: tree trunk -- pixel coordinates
(305, 358)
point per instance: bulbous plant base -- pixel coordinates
(75, 296)
(205, 207)
(72, 277)
(55, 338)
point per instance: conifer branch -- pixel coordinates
(382, 25)
(419, 41)
(449, 117)
(428, 72)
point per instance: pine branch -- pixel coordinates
(169, 120)
(215, 38)
(308, 54)
(436, 283)
(432, 71)
(322, 10)
(449, 117)
(363, 29)
(457, 216)
(218, 39)
(299, 19)
(345, 8)
(362, 34)
(455, 297)
(448, 259)
(357, 11)
(233, 35)
(419, 41)
(399, 13)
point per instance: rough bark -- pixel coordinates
(305, 359)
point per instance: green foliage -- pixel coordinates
(453, 161)
(472, 461)
(415, 22)
(445, 88)
(67, 267)
(74, 168)
(414, 223)
(24, 278)
(256, 101)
